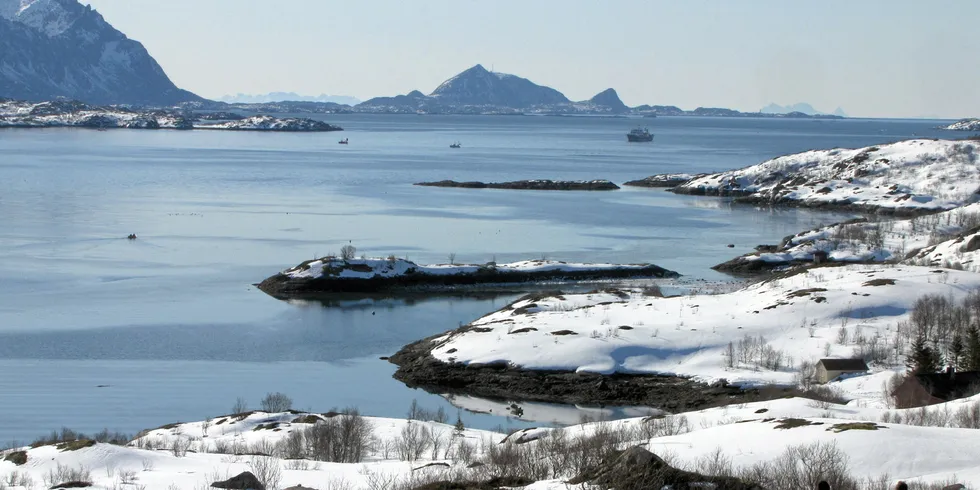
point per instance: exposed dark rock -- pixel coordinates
(535, 185)
(241, 481)
(16, 457)
(491, 484)
(662, 180)
(639, 469)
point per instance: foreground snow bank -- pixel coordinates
(196, 454)
(907, 176)
(768, 326)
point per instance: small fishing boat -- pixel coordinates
(343, 141)
(456, 145)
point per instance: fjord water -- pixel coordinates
(99, 331)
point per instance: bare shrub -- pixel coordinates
(715, 463)
(825, 396)
(379, 480)
(267, 470)
(240, 406)
(348, 252)
(179, 446)
(802, 467)
(64, 474)
(344, 438)
(806, 374)
(968, 417)
(276, 402)
(416, 438)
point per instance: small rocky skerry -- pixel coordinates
(332, 275)
(663, 180)
(533, 185)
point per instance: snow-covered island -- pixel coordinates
(947, 239)
(969, 124)
(783, 321)
(333, 274)
(65, 113)
(907, 177)
(534, 185)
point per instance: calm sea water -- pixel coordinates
(98, 331)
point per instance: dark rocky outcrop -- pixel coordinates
(241, 481)
(662, 180)
(535, 185)
(16, 457)
(639, 469)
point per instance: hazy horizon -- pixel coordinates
(873, 59)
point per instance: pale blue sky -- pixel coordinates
(888, 58)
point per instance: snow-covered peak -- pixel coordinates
(51, 17)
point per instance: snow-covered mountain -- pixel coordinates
(479, 86)
(288, 96)
(798, 107)
(61, 48)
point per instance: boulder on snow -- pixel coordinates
(241, 481)
(639, 469)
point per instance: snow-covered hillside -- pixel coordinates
(903, 177)
(964, 125)
(879, 240)
(752, 336)
(291, 448)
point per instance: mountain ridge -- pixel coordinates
(53, 49)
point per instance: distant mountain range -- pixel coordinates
(288, 96)
(477, 90)
(61, 48)
(798, 107)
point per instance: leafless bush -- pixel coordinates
(340, 439)
(379, 480)
(416, 438)
(127, 477)
(240, 406)
(276, 402)
(267, 470)
(715, 463)
(802, 467)
(670, 425)
(825, 396)
(64, 474)
(348, 252)
(147, 464)
(179, 446)
(842, 336)
(968, 417)
(417, 412)
(298, 465)
(806, 374)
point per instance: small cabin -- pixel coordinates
(918, 390)
(820, 257)
(830, 369)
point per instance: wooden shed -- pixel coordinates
(830, 369)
